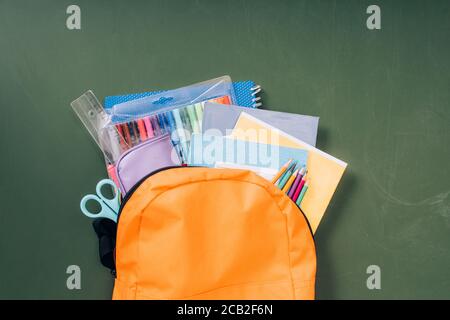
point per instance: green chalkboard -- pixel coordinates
(382, 96)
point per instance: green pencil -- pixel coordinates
(302, 194)
(288, 172)
(285, 177)
(199, 112)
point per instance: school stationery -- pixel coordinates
(302, 194)
(285, 177)
(109, 208)
(288, 184)
(299, 188)
(143, 159)
(286, 173)
(223, 118)
(296, 182)
(324, 170)
(178, 112)
(246, 93)
(207, 150)
(220, 88)
(95, 119)
(175, 112)
(281, 171)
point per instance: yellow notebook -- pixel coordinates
(324, 171)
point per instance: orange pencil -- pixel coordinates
(290, 181)
(282, 170)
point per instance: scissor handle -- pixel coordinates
(114, 202)
(105, 211)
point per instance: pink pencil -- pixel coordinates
(299, 188)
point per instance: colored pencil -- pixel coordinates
(296, 182)
(290, 182)
(302, 194)
(284, 179)
(281, 172)
(288, 173)
(299, 188)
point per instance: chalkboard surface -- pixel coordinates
(382, 96)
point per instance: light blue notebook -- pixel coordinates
(227, 152)
(223, 118)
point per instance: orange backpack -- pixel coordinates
(204, 233)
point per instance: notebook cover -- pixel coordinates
(224, 118)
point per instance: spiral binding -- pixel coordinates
(256, 98)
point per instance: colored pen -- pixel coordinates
(126, 135)
(302, 195)
(299, 188)
(187, 127)
(121, 137)
(160, 123)
(199, 112)
(289, 182)
(131, 132)
(282, 170)
(192, 118)
(296, 182)
(186, 121)
(134, 132)
(148, 127)
(141, 128)
(155, 125)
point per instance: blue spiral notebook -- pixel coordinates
(247, 95)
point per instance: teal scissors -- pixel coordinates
(109, 207)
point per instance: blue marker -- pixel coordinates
(161, 123)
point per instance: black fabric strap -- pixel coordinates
(106, 230)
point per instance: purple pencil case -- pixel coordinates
(143, 159)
